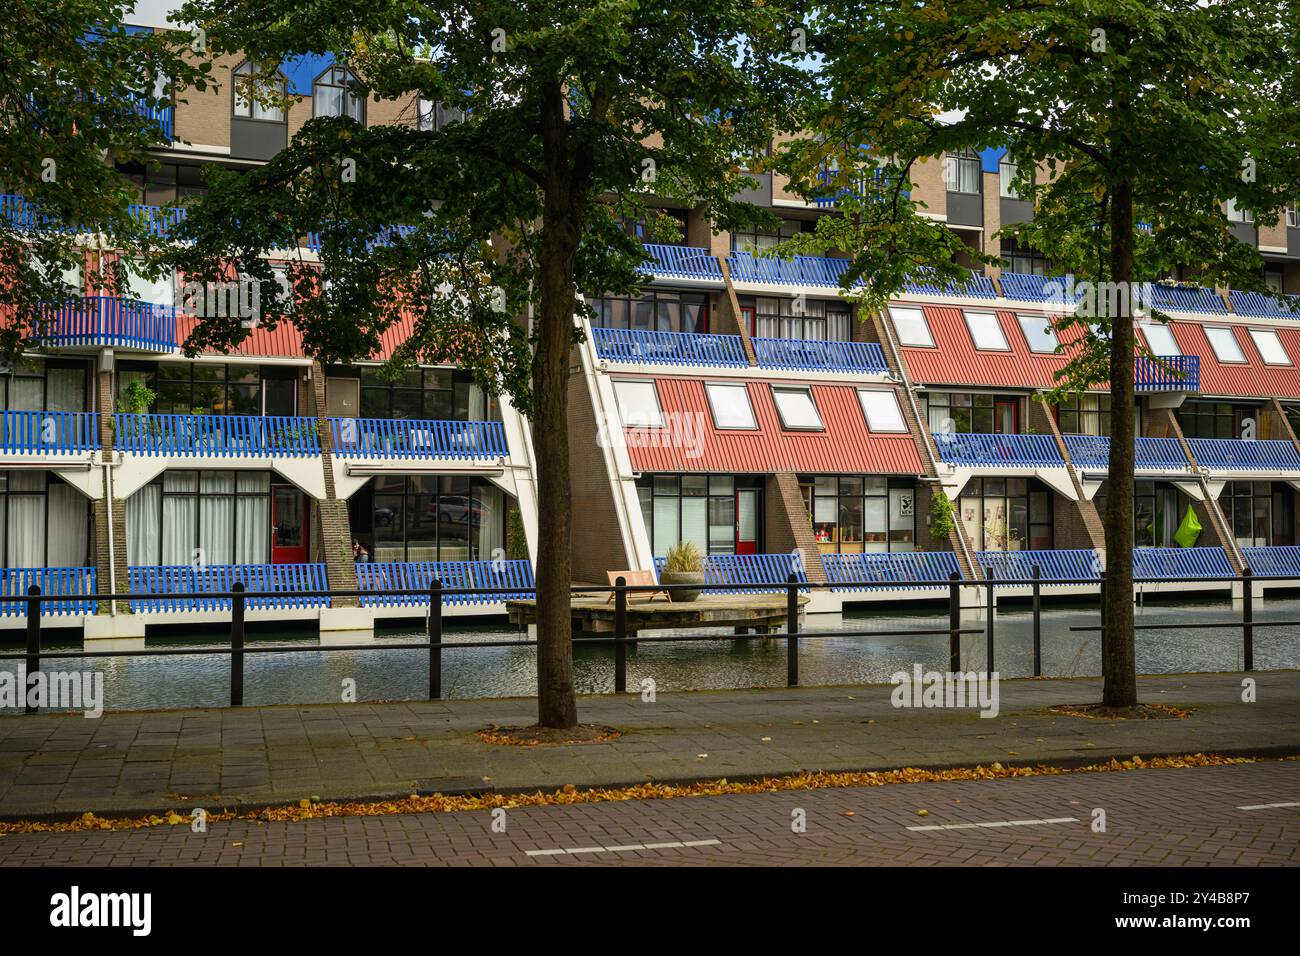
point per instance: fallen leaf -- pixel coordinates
(922, 813)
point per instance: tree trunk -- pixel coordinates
(557, 706)
(1118, 665)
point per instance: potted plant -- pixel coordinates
(683, 565)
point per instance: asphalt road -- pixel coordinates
(1245, 815)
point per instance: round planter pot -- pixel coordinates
(682, 577)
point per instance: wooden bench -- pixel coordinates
(637, 579)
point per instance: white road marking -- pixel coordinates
(994, 825)
(1270, 806)
(627, 848)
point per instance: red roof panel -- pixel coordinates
(1250, 378)
(695, 445)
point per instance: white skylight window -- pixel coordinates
(881, 409)
(1160, 340)
(1038, 332)
(730, 405)
(1270, 347)
(638, 404)
(797, 409)
(1224, 343)
(911, 326)
(986, 331)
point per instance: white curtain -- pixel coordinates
(26, 526)
(142, 538)
(26, 394)
(65, 390)
(178, 529)
(217, 517)
(491, 528)
(69, 527)
(252, 530)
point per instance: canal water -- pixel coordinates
(318, 676)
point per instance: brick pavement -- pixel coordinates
(143, 761)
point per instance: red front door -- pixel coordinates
(747, 521)
(288, 525)
(747, 319)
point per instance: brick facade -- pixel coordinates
(597, 544)
(786, 524)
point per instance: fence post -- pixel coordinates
(237, 644)
(954, 622)
(1248, 618)
(1038, 622)
(792, 632)
(620, 635)
(33, 646)
(988, 624)
(435, 639)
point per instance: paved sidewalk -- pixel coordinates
(145, 761)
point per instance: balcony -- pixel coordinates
(417, 438)
(724, 569)
(1234, 454)
(283, 581)
(896, 569)
(975, 286)
(48, 433)
(796, 271)
(1051, 565)
(1092, 452)
(643, 346)
(160, 117)
(1183, 298)
(1051, 290)
(1277, 561)
(385, 577)
(65, 582)
(683, 262)
(819, 356)
(216, 436)
(1151, 563)
(972, 450)
(105, 320)
(1171, 373)
(1257, 304)
(158, 220)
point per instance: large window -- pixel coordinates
(1006, 514)
(258, 96)
(1160, 339)
(986, 332)
(638, 403)
(1259, 514)
(210, 517)
(701, 509)
(1023, 258)
(1293, 215)
(200, 388)
(851, 515)
(1039, 334)
(1225, 344)
(1270, 347)
(49, 385)
(439, 394)
(730, 405)
(977, 413)
(911, 326)
(881, 410)
(1008, 170)
(797, 409)
(44, 522)
(429, 518)
(1237, 214)
(1086, 414)
(334, 94)
(801, 319)
(758, 238)
(963, 172)
(655, 311)
(1214, 419)
(162, 183)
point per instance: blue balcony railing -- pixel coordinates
(216, 436)
(104, 320)
(975, 286)
(1172, 373)
(1052, 290)
(285, 580)
(1234, 454)
(66, 582)
(1265, 306)
(385, 577)
(158, 220)
(1150, 454)
(683, 262)
(47, 433)
(1151, 563)
(1275, 561)
(669, 348)
(161, 117)
(797, 270)
(998, 451)
(24, 215)
(417, 438)
(1184, 298)
(895, 569)
(1052, 565)
(724, 569)
(808, 355)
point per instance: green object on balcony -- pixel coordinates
(1189, 530)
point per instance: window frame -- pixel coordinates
(1166, 330)
(997, 324)
(898, 328)
(1270, 335)
(803, 390)
(1049, 330)
(902, 428)
(1237, 213)
(255, 80)
(959, 164)
(1227, 329)
(622, 412)
(713, 408)
(348, 95)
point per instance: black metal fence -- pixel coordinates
(792, 635)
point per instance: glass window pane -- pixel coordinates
(1270, 347)
(1160, 339)
(730, 405)
(882, 411)
(911, 326)
(797, 408)
(638, 404)
(1038, 332)
(986, 331)
(1225, 344)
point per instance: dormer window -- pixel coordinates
(334, 94)
(258, 95)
